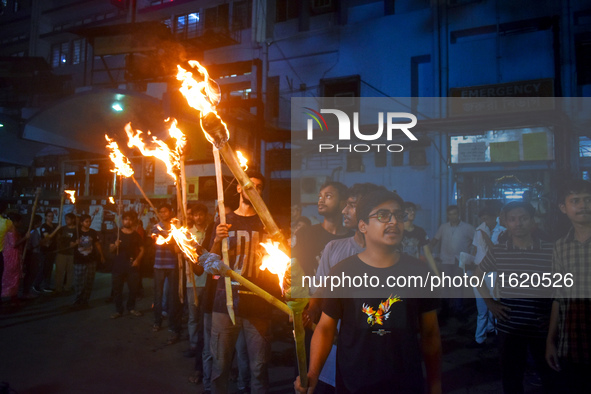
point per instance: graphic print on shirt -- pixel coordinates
(410, 246)
(86, 245)
(248, 254)
(383, 312)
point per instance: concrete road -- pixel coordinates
(47, 348)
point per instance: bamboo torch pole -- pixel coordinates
(222, 210)
(214, 127)
(146, 197)
(184, 195)
(179, 206)
(61, 212)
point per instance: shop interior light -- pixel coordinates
(117, 107)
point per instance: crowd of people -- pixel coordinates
(392, 340)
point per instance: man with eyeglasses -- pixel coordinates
(377, 339)
(335, 252)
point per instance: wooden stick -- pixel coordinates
(146, 198)
(258, 291)
(61, 212)
(297, 306)
(37, 194)
(183, 182)
(222, 210)
(255, 198)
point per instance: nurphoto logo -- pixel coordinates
(388, 122)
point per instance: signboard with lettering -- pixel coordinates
(520, 96)
(472, 152)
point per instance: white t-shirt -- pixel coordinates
(454, 240)
(480, 243)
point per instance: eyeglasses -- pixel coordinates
(384, 216)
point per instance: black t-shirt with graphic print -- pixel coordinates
(378, 349)
(85, 252)
(413, 241)
(245, 254)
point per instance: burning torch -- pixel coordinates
(204, 95)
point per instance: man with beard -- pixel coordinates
(307, 246)
(245, 232)
(334, 252)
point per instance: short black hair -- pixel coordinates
(361, 189)
(573, 186)
(531, 211)
(167, 206)
(452, 208)
(341, 188)
(373, 199)
(129, 214)
(304, 220)
(70, 215)
(199, 207)
(252, 173)
(37, 219)
(3, 206)
(84, 217)
(409, 205)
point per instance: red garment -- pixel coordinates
(12, 265)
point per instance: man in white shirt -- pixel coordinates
(486, 235)
(455, 237)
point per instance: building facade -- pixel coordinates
(264, 53)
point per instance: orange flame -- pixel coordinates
(183, 238)
(276, 262)
(170, 157)
(202, 94)
(242, 160)
(72, 195)
(122, 165)
(111, 200)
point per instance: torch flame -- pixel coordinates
(111, 200)
(276, 262)
(202, 94)
(72, 195)
(183, 238)
(243, 160)
(122, 165)
(171, 158)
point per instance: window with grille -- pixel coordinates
(187, 25)
(68, 53)
(242, 14)
(286, 10)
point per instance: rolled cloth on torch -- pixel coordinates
(216, 130)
